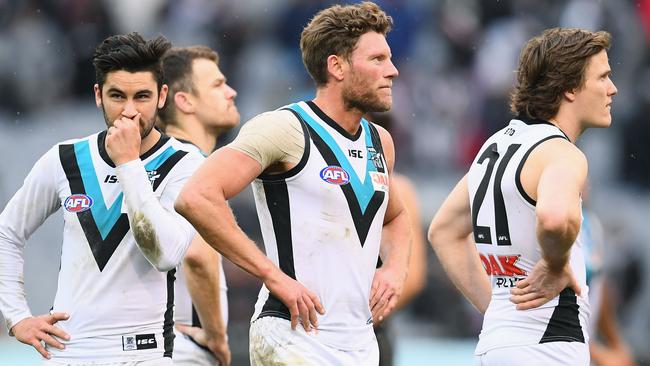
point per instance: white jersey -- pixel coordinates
(120, 305)
(504, 222)
(184, 313)
(321, 223)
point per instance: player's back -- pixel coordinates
(504, 225)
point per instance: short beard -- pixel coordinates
(143, 133)
(365, 101)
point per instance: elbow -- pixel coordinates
(558, 223)
(433, 234)
(184, 203)
(200, 255)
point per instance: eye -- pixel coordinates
(116, 96)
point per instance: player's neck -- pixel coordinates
(196, 133)
(332, 105)
(568, 123)
(148, 142)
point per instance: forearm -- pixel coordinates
(555, 237)
(162, 236)
(203, 274)
(396, 239)
(460, 260)
(224, 234)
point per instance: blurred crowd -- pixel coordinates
(456, 60)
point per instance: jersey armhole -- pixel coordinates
(520, 186)
(303, 160)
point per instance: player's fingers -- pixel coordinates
(313, 318)
(523, 283)
(377, 296)
(39, 347)
(519, 299)
(304, 314)
(575, 286)
(317, 304)
(293, 310)
(392, 302)
(48, 339)
(521, 291)
(532, 304)
(190, 331)
(57, 332)
(55, 317)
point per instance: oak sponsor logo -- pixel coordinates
(503, 269)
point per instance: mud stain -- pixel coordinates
(145, 236)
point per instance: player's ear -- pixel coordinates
(336, 66)
(183, 102)
(570, 95)
(98, 95)
(162, 97)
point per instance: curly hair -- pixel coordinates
(551, 64)
(336, 31)
(130, 52)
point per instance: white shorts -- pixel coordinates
(545, 354)
(188, 353)
(273, 342)
(164, 361)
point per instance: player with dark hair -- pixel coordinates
(122, 238)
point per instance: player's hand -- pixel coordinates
(542, 285)
(217, 344)
(37, 329)
(387, 286)
(302, 303)
(123, 140)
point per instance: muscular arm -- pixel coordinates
(223, 175)
(395, 248)
(554, 175)
(449, 235)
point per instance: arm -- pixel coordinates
(562, 172)
(417, 267)
(395, 249)
(202, 268)
(614, 351)
(449, 235)
(223, 175)
(36, 200)
(161, 234)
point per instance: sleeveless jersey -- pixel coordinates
(504, 222)
(185, 312)
(321, 223)
(120, 306)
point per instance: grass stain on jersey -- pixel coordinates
(145, 236)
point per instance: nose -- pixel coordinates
(392, 71)
(231, 93)
(613, 89)
(129, 110)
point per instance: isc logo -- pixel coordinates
(335, 175)
(78, 203)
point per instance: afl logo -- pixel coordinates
(335, 175)
(78, 203)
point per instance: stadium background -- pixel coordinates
(456, 60)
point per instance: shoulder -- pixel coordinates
(559, 150)
(269, 122)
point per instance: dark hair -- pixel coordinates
(177, 69)
(130, 52)
(551, 64)
(336, 31)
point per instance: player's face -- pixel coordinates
(213, 98)
(125, 94)
(594, 98)
(369, 80)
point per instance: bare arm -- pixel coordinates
(417, 267)
(449, 235)
(562, 172)
(204, 198)
(395, 249)
(202, 269)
